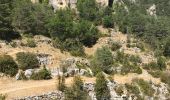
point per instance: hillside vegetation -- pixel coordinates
(123, 44)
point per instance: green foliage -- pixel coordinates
(130, 63)
(130, 68)
(159, 65)
(165, 78)
(156, 74)
(61, 25)
(86, 32)
(108, 22)
(69, 35)
(31, 43)
(30, 18)
(6, 29)
(101, 89)
(43, 74)
(114, 45)
(119, 90)
(76, 91)
(166, 51)
(27, 60)
(61, 83)
(131, 88)
(2, 97)
(13, 44)
(87, 9)
(135, 59)
(153, 30)
(145, 87)
(22, 76)
(102, 60)
(8, 66)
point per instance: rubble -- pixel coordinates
(56, 95)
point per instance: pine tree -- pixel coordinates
(76, 91)
(5, 19)
(101, 89)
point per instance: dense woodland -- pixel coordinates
(71, 30)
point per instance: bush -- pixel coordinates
(156, 74)
(13, 44)
(165, 78)
(135, 59)
(140, 46)
(128, 68)
(161, 63)
(76, 91)
(108, 22)
(132, 89)
(102, 61)
(151, 66)
(87, 9)
(145, 87)
(119, 90)
(114, 46)
(31, 43)
(101, 88)
(43, 74)
(8, 65)
(22, 76)
(2, 97)
(27, 60)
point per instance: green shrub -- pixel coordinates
(135, 59)
(145, 87)
(22, 76)
(151, 66)
(31, 43)
(161, 63)
(165, 78)
(8, 65)
(156, 74)
(132, 89)
(128, 45)
(27, 60)
(2, 97)
(43, 74)
(101, 89)
(140, 46)
(102, 61)
(115, 46)
(76, 91)
(128, 68)
(13, 44)
(119, 90)
(108, 22)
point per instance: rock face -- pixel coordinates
(34, 1)
(58, 4)
(152, 10)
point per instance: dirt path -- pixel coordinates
(16, 89)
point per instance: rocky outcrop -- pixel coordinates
(152, 10)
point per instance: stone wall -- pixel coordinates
(56, 95)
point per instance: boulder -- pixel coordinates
(17, 76)
(28, 73)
